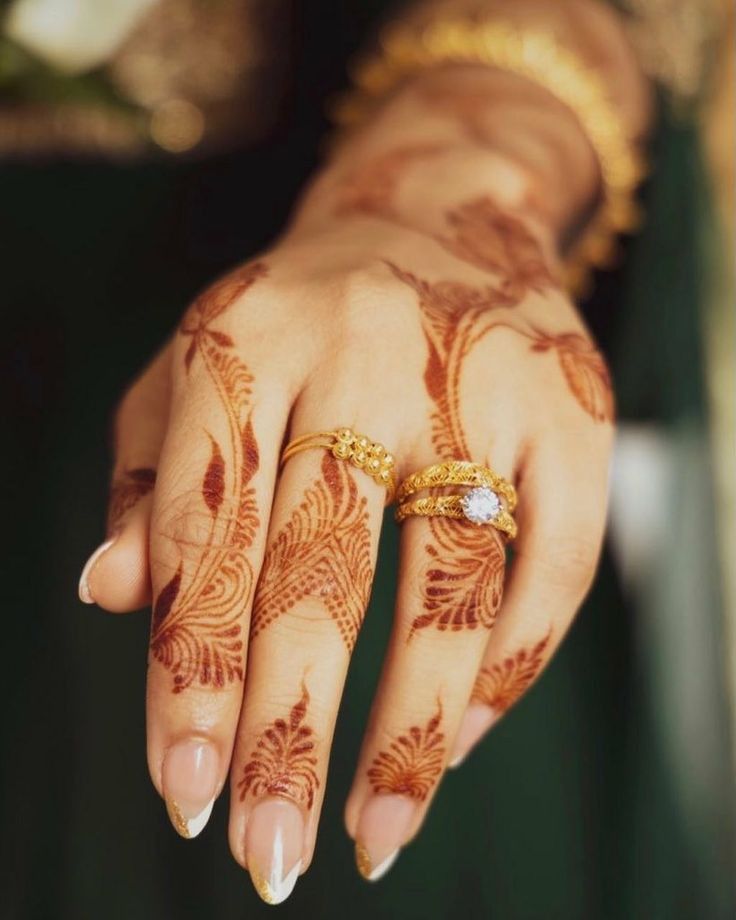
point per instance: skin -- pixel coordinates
(416, 298)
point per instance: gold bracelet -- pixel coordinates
(356, 449)
(538, 57)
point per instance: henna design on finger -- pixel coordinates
(585, 371)
(500, 685)
(125, 493)
(323, 552)
(283, 761)
(413, 761)
(195, 632)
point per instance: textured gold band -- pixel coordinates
(344, 444)
(451, 506)
(457, 473)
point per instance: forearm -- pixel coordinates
(455, 132)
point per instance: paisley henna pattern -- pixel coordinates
(196, 632)
(412, 762)
(585, 371)
(126, 491)
(501, 685)
(323, 552)
(283, 761)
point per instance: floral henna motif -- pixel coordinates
(126, 491)
(196, 632)
(585, 371)
(412, 762)
(372, 188)
(501, 685)
(499, 243)
(283, 761)
(323, 552)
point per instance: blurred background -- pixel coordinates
(145, 146)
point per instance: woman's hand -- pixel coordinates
(415, 300)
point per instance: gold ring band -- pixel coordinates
(344, 444)
(451, 506)
(489, 499)
(457, 473)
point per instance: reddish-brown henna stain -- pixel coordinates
(126, 491)
(323, 552)
(283, 761)
(196, 633)
(412, 762)
(500, 685)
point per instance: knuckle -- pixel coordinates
(571, 562)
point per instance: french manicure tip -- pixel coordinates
(370, 872)
(85, 595)
(189, 828)
(273, 892)
(457, 761)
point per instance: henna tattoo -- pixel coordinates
(323, 552)
(126, 491)
(371, 188)
(413, 761)
(499, 243)
(501, 685)
(585, 371)
(196, 633)
(283, 761)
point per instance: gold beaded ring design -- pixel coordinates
(356, 449)
(489, 499)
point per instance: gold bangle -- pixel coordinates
(538, 57)
(452, 506)
(356, 449)
(457, 473)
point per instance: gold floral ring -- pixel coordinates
(344, 444)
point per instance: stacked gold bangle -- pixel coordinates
(344, 444)
(489, 499)
(537, 56)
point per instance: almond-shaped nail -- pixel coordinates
(85, 594)
(382, 830)
(274, 846)
(189, 778)
(477, 720)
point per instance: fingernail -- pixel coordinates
(477, 720)
(274, 843)
(382, 829)
(85, 595)
(189, 779)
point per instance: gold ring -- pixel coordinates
(490, 498)
(356, 449)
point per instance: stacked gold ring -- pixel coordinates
(344, 444)
(489, 500)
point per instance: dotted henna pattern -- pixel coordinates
(501, 685)
(412, 762)
(283, 761)
(323, 552)
(196, 633)
(125, 493)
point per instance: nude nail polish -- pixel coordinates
(382, 830)
(85, 595)
(477, 720)
(189, 778)
(274, 844)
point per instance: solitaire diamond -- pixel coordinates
(481, 505)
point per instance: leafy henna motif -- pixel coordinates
(323, 552)
(126, 492)
(283, 761)
(412, 762)
(501, 685)
(196, 633)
